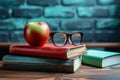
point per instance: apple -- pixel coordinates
(36, 33)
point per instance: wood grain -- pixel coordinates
(89, 45)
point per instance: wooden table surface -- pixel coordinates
(84, 73)
(89, 45)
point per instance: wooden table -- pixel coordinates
(84, 73)
(89, 45)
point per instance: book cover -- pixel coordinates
(48, 50)
(18, 62)
(101, 58)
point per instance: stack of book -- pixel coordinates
(46, 58)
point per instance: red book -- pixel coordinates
(48, 50)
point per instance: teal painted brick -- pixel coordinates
(88, 36)
(11, 3)
(43, 2)
(4, 36)
(12, 24)
(61, 16)
(85, 11)
(101, 11)
(114, 11)
(109, 2)
(79, 2)
(93, 12)
(107, 36)
(6, 25)
(59, 11)
(19, 23)
(77, 24)
(108, 24)
(17, 36)
(4, 13)
(26, 12)
(54, 24)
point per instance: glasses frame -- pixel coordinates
(69, 37)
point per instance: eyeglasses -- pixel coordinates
(60, 39)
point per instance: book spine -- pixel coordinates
(39, 52)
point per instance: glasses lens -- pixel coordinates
(59, 39)
(76, 38)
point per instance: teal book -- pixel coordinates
(19, 62)
(101, 58)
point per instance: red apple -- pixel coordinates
(36, 33)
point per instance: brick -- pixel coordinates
(59, 11)
(88, 36)
(103, 2)
(11, 24)
(17, 36)
(53, 23)
(85, 11)
(112, 24)
(93, 12)
(4, 13)
(77, 24)
(27, 12)
(101, 12)
(11, 3)
(4, 37)
(79, 2)
(43, 2)
(19, 23)
(114, 11)
(6, 25)
(107, 36)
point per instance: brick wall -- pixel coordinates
(99, 20)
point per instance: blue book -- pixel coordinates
(101, 58)
(19, 62)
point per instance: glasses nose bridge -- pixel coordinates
(69, 38)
